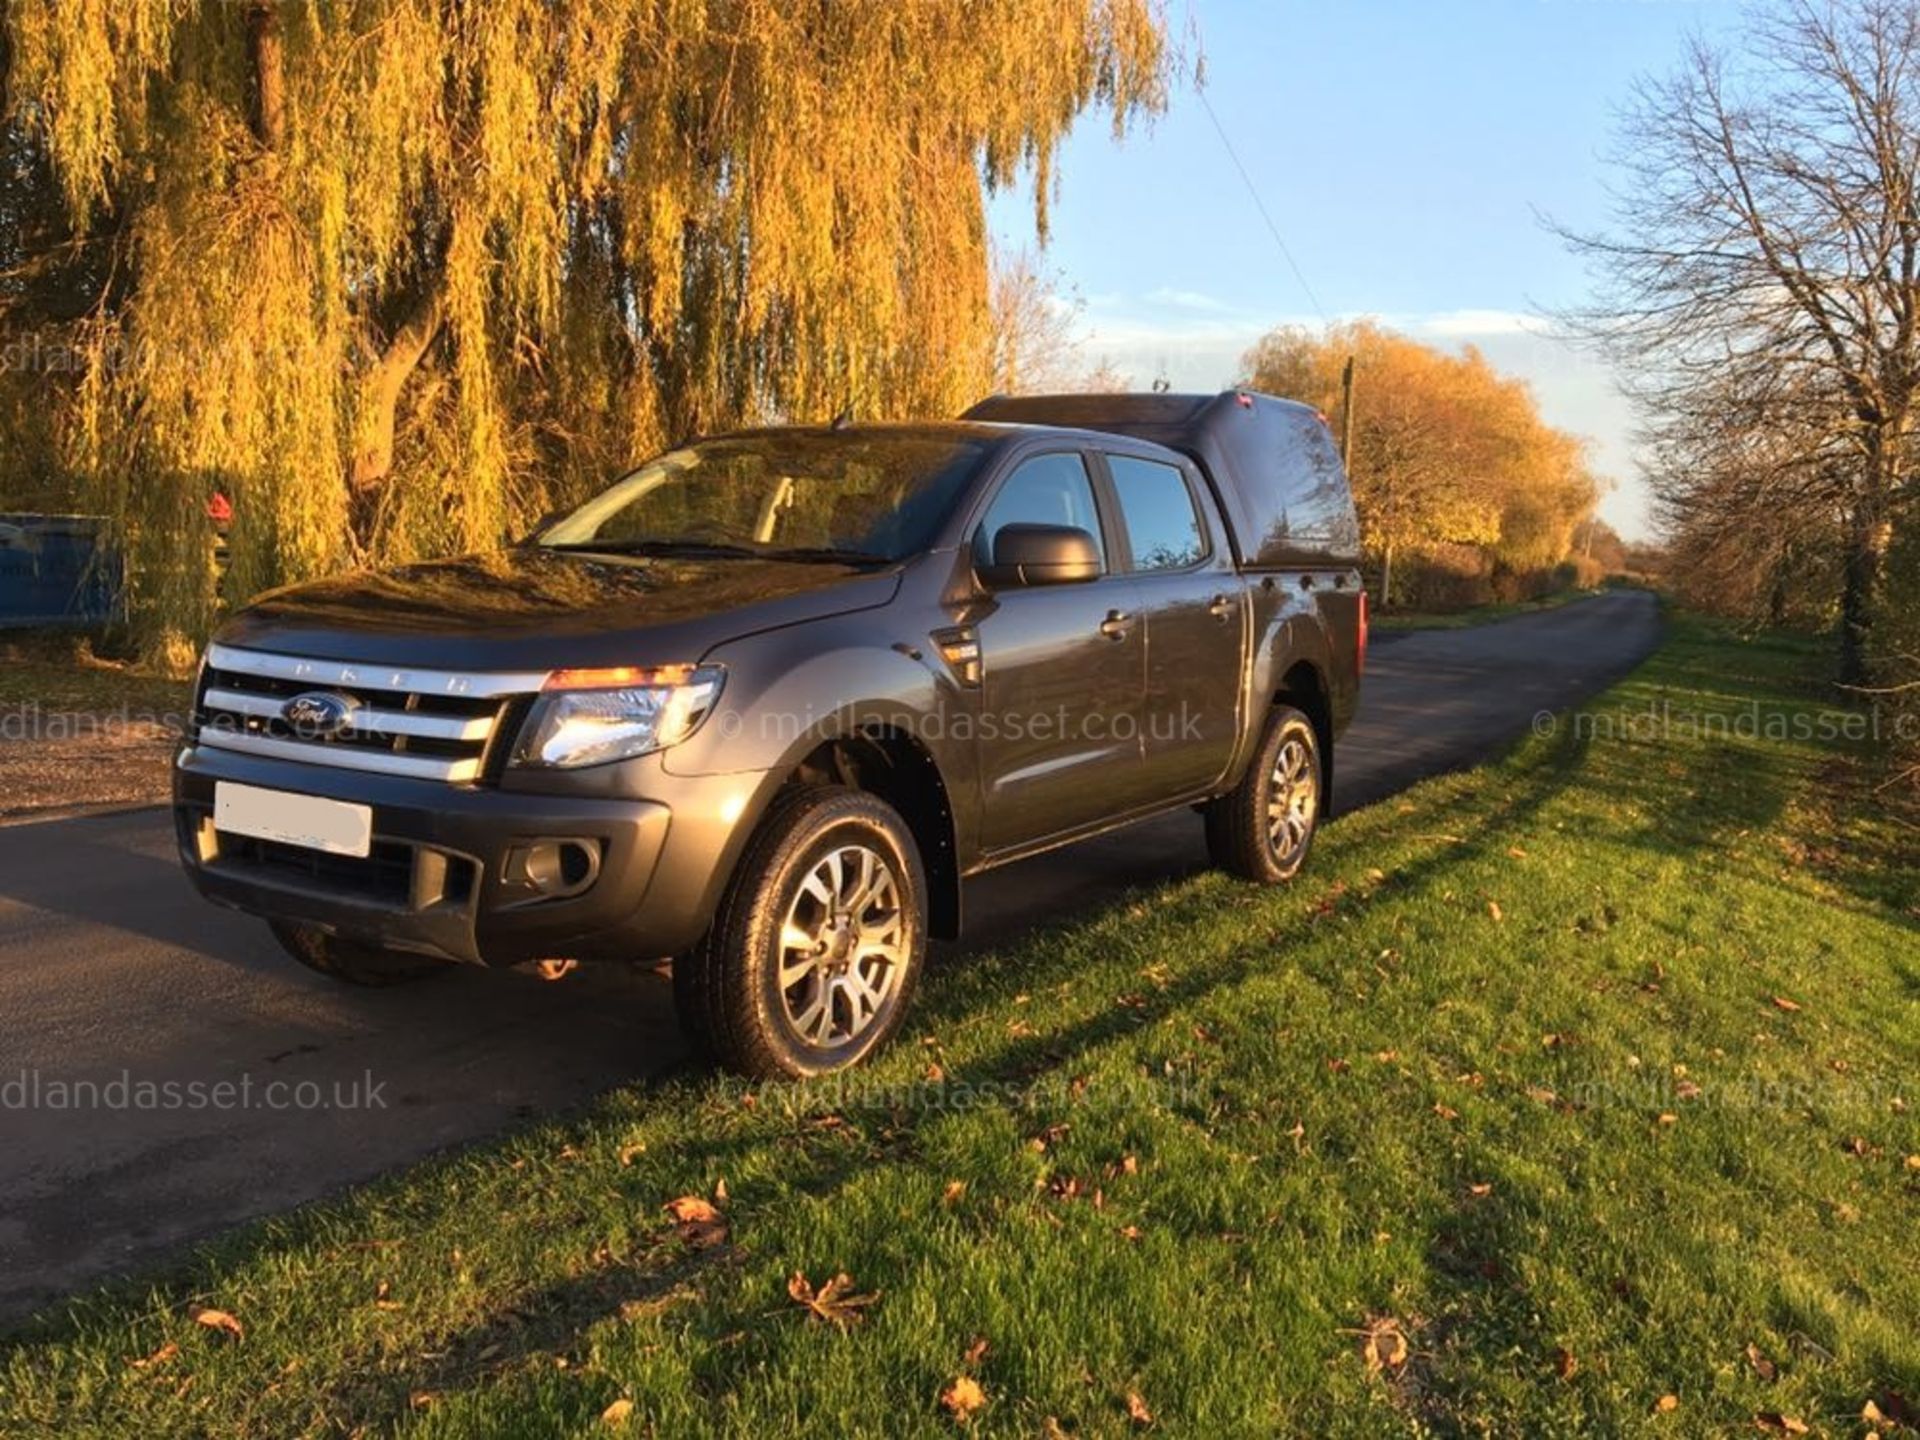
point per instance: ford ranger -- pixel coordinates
(762, 705)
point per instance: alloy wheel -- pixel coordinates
(843, 947)
(1293, 799)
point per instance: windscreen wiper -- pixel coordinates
(705, 549)
(823, 555)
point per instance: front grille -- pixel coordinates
(427, 724)
(384, 877)
(393, 875)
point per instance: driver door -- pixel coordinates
(1063, 669)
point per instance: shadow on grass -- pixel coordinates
(876, 1136)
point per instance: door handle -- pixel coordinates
(1220, 608)
(1116, 625)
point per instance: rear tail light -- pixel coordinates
(1360, 641)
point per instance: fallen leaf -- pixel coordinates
(1480, 1191)
(422, 1399)
(963, 1397)
(1781, 1002)
(934, 1074)
(628, 1153)
(1667, 1404)
(1857, 1145)
(1667, 1117)
(977, 1351)
(1516, 852)
(955, 1189)
(159, 1357)
(1130, 1164)
(834, 1302)
(1762, 1366)
(1445, 1112)
(1383, 1345)
(692, 1209)
(1894, 1409)
(1541, 1094)
(218, 1320)
(701, 1225)
(1048, 1137)
(1493, 909)
(1130, 1232)
(1785, 1424)
(1137, 1410)
(1564, 1364)
(1687, 1090)
(1913, 1162)
(617, 1412)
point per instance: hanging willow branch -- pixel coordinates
(401, 271)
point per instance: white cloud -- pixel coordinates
(1187, 300)
(1468, 324)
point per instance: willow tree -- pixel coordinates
(393, 274)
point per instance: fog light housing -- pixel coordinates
(551, 869)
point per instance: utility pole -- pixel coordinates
(1346, 415)
(1346, 459)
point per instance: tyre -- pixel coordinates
(816, 949)
(352, 962)
(1263, 828)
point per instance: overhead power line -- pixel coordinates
(1260, 205)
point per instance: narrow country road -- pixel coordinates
(110, 967)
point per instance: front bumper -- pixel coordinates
(445, 878)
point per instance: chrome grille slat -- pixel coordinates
(328, 674)
(382, 722)
(346, 757)
(424, 724)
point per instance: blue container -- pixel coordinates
(56, 570)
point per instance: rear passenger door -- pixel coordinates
(1193, 605)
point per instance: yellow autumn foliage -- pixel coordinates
(395, 275)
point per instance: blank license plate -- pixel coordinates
(304, 820)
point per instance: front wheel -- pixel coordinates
(817, 946)
(350, 961)
(1263, 828)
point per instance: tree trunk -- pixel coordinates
(377, 405)
(266, 56)
(1870, 539)
(1386, 577)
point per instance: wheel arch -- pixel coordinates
(1304, 687)
(886, 761)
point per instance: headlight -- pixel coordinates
(591, 717)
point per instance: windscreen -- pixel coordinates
(861, 495)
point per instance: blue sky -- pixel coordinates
(1403, 149)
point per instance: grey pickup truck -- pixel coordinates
(763, 704)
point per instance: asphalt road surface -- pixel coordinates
(111, 969)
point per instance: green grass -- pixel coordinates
(1190, 1147)
(1474, 615)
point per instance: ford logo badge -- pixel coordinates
(319, 714)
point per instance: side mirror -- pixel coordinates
(1043, 555)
